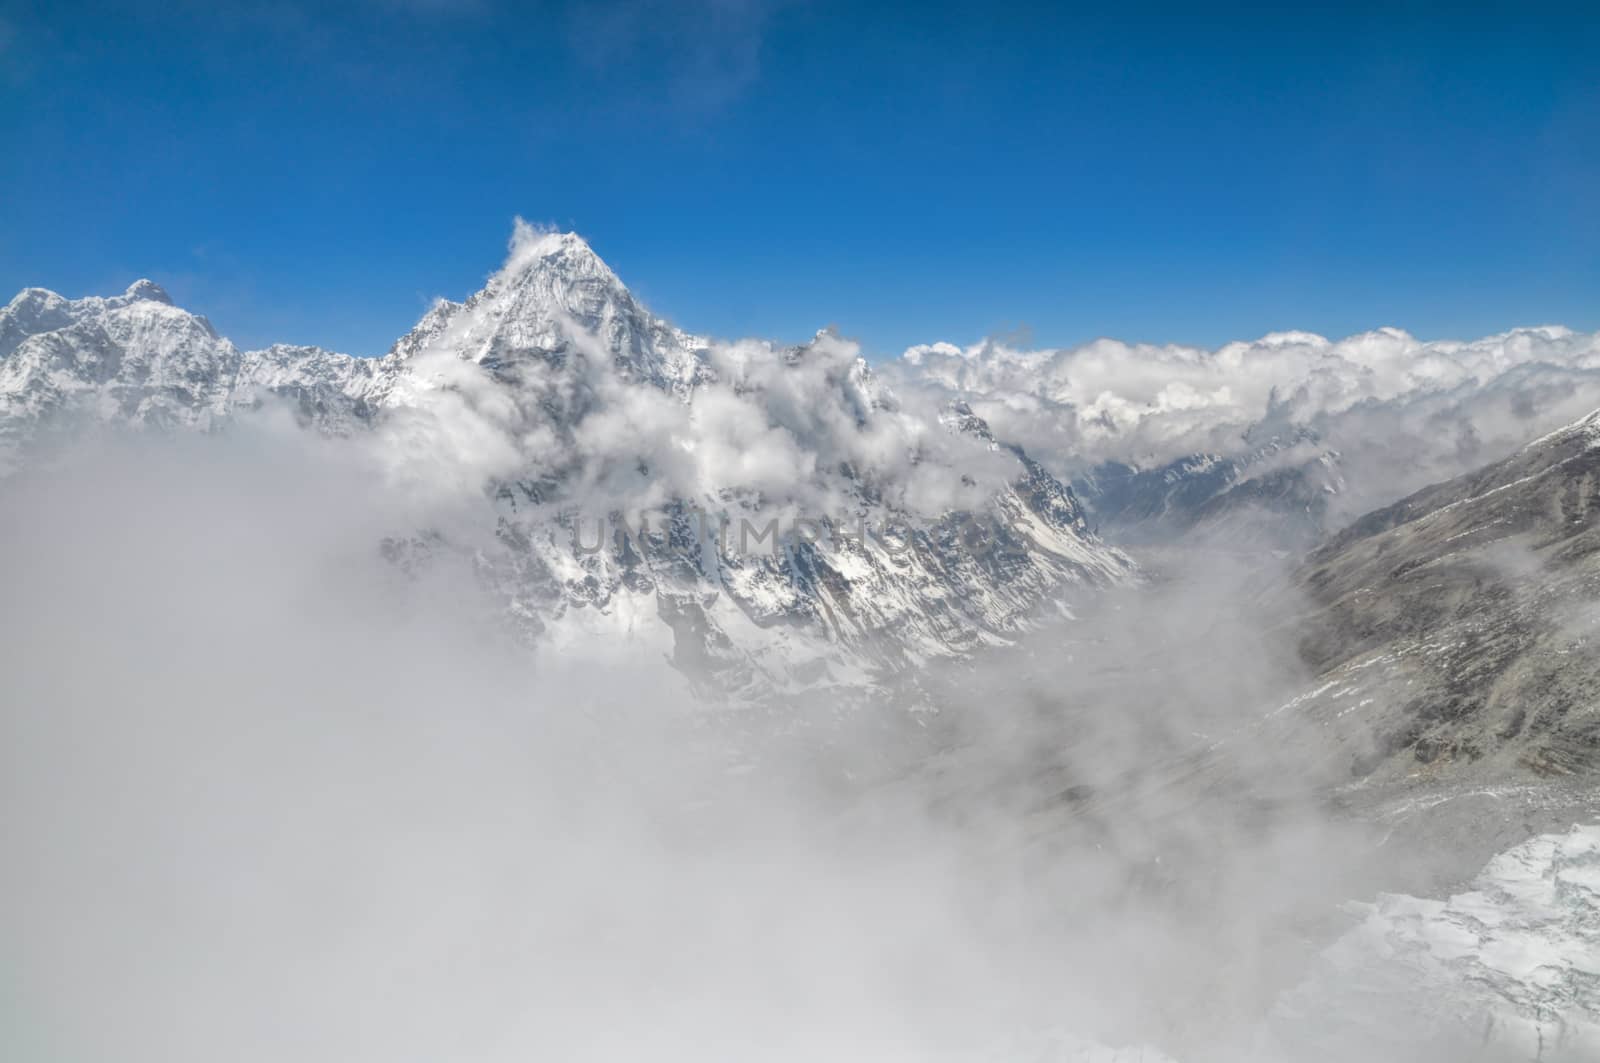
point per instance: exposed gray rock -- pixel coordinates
(1454, 631)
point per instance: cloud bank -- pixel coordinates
(1440, 407)
(787, 429)
(267, 795)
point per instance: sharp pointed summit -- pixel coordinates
(556, 302)
(146, 289)
(565, 253)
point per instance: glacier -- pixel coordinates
(1506, 970)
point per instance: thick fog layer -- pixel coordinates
(267, 795)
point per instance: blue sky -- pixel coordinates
(906, 172)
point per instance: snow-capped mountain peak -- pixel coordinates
(145, 288)
(555, 302)
(554, 396)
(552, 274)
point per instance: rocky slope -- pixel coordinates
(1454, 631)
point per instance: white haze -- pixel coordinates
(264, 797)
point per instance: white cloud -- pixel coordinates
(252, 768)
(794, 430)
(1439, 407)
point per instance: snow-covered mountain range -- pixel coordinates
(788, 522)
(137, 359)
(809, 522)
(774, 519)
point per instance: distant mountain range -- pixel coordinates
(1276, 441)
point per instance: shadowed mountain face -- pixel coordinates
(773, 520)
(1276, 495)
(1455, 631)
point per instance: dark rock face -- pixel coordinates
(1456, 629)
